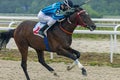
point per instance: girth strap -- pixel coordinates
(47, 44)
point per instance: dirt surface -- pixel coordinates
(11, 70)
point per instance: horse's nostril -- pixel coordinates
(94, 27)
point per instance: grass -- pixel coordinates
(91, 59)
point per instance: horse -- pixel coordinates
(59, 39)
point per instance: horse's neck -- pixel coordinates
(69, 28)
(57, 32)
(68, 25)
(58, 36)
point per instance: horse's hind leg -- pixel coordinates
(23, 48)
(42, 61)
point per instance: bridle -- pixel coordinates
(78, 19)
(82, 23)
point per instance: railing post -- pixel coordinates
(51, 55)
(111, 48)
(115, 37)
(11, 24)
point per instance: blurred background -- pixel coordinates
(96, 8)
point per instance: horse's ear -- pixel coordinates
(77, 8)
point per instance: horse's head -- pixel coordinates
(81, 17)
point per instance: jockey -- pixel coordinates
(51, 14)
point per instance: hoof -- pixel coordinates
(69, 68)
(84, 72)
(55, 74)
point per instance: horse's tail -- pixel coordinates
(5, 37)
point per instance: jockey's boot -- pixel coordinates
(43, 29)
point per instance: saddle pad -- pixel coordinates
(36, 29)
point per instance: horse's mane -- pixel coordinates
(72, 11)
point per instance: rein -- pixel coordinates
(78, 17)
(70, 33)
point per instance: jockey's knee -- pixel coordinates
(51, 22)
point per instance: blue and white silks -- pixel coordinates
(54, 11)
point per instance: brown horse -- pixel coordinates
(59, 38)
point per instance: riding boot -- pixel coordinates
(43, 29)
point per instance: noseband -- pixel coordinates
(78, 19)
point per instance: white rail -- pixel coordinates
(96, 32)
(106, 20)
(113, 37)
(18, 18)
(35, 18)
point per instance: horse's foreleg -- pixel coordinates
(68, 54)
(42, 61)
(77, 53)
(77, 62)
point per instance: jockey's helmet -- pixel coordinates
(68, 3)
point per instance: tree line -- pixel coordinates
(96, 8)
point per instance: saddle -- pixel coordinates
(36, 29)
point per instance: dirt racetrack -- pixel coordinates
(11, 70)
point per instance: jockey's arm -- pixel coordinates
(58, 17)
